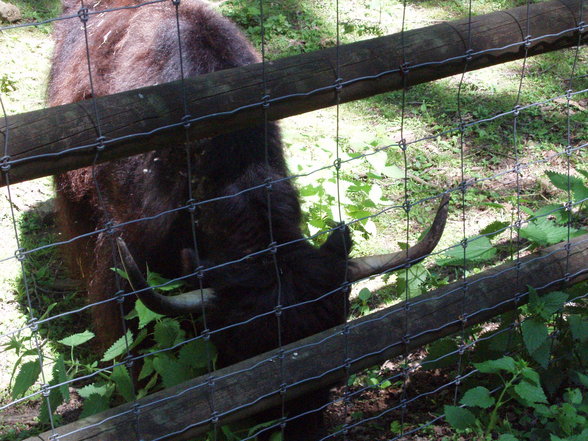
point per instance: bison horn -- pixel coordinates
(362, 267)
(191, 302)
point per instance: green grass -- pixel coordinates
(38, 10)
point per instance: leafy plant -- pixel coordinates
(326, 192)
(547, 384)
(553, 223)
(373, 378)
(480, 410)
(176, 358)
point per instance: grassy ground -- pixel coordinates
(435, 163)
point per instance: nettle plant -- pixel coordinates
(539, 394)
(174, 357)
(349, 192)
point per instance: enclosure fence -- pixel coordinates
(100, 129)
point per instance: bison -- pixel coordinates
(241, 206)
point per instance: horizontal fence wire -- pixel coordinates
(407, 365)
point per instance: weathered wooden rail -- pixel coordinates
(133, 122)
(319, 360)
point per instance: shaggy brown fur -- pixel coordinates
(131, 48)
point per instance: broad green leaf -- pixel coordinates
(478, 397)
(94, 404)
(574, 396)
(478, 250)
(578, 327)
(375, 194)
(309, 190)
(119, 347)
(378, 161)
(535, 333)
(547, 305)
(167, 333)
(530, 392)
(27, 376)
(364, 295)
(501, 343)
(495, 366)
(438, 354)
(145, 315)
(152, 382)
(197, 354)
(104, 390)
(170, 370)
(494, 229)
(77, 339)
(60, 376)
(459, 418)
(122, 379)
(545, 232)
(558, 211)
(576, 185)
(560, 180)
(163, 284)
(142, 335)
(583, 378)
(412, 280)
(393, 172)
(121, 273)
(542, 353)
(532, 375)
(55, 399)
(147, 368)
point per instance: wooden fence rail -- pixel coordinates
(319, 360)
(37, 141)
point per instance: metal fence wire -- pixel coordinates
(52, 372)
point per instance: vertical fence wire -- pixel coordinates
(405, 365)
(341, 222)
(272, 246)
(110, 232)
(462, 343)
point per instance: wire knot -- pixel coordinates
(101, 146)
(265, 101)
(84, 14)
(5, 163)
(186, 121)
(469, 55)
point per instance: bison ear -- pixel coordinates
(339, 241)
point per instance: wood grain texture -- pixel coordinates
(54, 140)
(241, 390)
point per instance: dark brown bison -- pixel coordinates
(242, 202)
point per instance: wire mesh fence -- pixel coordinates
(195, 218)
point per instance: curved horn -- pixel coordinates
(362, 267)
(188, 303)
